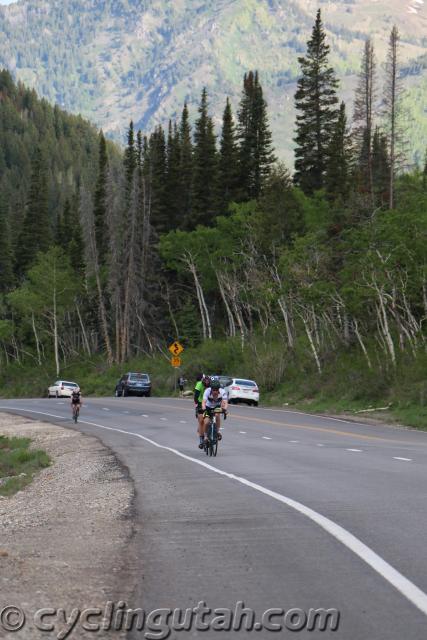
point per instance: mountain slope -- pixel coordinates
(113, 60)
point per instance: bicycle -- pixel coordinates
(76, 412)
(211, 440)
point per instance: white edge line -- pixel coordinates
(407, 588)
(266, 438)
(355, 450)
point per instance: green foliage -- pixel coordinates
(315, 101)
(19, 464)
(205, 197)
(256, 149)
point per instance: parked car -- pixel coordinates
(241, 390)
(138, 384)
(62, 389)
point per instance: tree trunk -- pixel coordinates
(55, 324)
(39, 360)
(84, 334)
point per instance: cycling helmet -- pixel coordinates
(215, 384)
(206, 381)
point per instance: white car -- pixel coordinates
(62, 389)
(241, 390)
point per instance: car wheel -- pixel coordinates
(255, 403)
(147, 395)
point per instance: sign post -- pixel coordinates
(176, 349)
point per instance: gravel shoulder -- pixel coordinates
(66, 541)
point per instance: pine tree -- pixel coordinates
(6, 256)
(256, 155)
(263, 151)
(228, 160)
(173, 176)
(158, 171)
(392, 110)
(425, 172)
(63, 227)
(205, 204)
(363, 119)
(76, 247)
(185, 168)
(337, 178)
(36, 233)
(380, 168)
(316, 101)
(130, 161)
(100, 203)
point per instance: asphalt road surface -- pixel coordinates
(297, 513)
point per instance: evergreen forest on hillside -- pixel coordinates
(201, 235)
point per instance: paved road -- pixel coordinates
(296, 512)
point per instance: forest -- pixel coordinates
(198, 233)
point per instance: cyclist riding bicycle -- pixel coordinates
(213, 398)
(202, 383)
(76, 401)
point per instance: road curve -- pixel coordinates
(296, 512)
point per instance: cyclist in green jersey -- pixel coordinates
(202, 383)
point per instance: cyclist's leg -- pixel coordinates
(201, 429)
(218, 425)
(206, 422)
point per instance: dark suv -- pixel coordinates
(138, 384)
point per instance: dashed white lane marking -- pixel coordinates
(105, 409)
(403, 459)
(144, 415)
(266, 438)
(243, 432)
(125, 411)
(164, 419)
(355, 450)
(294, 441)
(320, 445)
(183, 421)
(407, 588)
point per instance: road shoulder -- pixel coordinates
(66, 541)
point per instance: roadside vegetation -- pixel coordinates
(313, 284)
(19, 464)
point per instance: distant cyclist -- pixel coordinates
(202, 383)
(76, 402)
(213, 398)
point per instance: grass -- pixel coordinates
(19, 464)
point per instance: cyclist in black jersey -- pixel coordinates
(76, 401)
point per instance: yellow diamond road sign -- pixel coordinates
(176, 362)
(176, 348)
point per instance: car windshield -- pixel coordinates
(140, 377)
(246, 383)
(70, 384)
